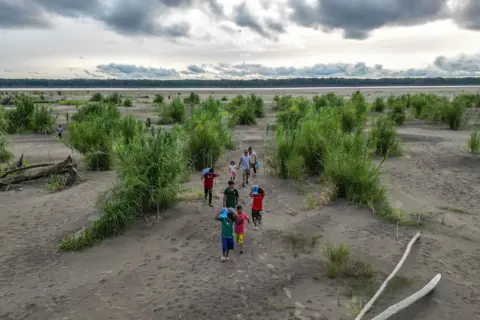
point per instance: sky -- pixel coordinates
(219, 39)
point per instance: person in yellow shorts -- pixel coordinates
(240, 227)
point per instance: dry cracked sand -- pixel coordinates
(172, 269)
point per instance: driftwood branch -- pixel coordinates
(390, 277)
(33, 166)
(396, 308)
(42, 171)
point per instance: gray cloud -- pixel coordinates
(91, 74)
(127, 71)
(275, 26)
(195, 69)
(356, 18)
(125, 17)
(18, 14)
(244, 18)
(7, 70)
(456, 66)
(467, 14)
(81, 57)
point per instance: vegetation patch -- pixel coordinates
(384, 137)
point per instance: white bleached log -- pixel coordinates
(410, 300)
(390, 277)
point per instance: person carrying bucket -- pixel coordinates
(253, 160)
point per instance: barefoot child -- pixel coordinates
(240, 227)
(257, 205)
(227, 218)
(232, 170)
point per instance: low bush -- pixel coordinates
(159, 99)
(42, 120)
(398, 114)
(96, 97)
(244, 115)
(73, 102)
(56, 182)
(468, 100)
(150, 172)
(25, 116)
(114, 98)
(193, 98)
(453, 114)
(127, 103)
(174, 112)
(258, 106)
(473, 143)
(379, 105)
(384, 137)
(5, 148)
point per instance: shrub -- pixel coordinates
(56, 182)
(397, 114)
(258, 107)
(114, 98)
(224, 99)
(473, 143)
(93, 138)
(328, 100)
(384, 137)
(5, 149)
(127, 103)
(42, 120)
(96, 110)
(193, 98)
(20, 117)
(174, 112)
(244, 115)
(379, 105)
(159, 99)
(208, 135)
(150, 171)
(360, 103)
(468, 100)
(454, 115)
(96, 97)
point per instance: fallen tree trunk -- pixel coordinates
(6, 173)
(66, 166)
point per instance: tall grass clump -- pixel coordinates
(454, 115)
(193, 98)
(379, 105)
(209, 136)
(159, 99)
(127, 103)
(385, 138)
(174, 112)
(19, 118)
(469, 100)
(92, 133)
(96, 97)
(398, 114)
(114, 98)
(150, 171)
(473, 143)
(42, 120)
(244, 115)
(328, 100)
(258, 106)
(25, 116)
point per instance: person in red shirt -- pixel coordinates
(240, 227)
(257, 205)
(208, 184)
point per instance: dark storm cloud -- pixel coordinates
(467, 14)
(356, 18)
(275, 26)
(243, 17)
(128, 17)
(17, 14)
(131, 71)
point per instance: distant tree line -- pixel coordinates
(230, 83)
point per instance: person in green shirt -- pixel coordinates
(230, 196)
(227, 218)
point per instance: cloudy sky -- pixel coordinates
(163, 39)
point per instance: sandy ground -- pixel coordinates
(172, 270)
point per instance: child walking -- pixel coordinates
(208, 184)
(227, 218)
(59, 131)
(245, 163)
(240, 227)
(232, 170)
(257, 205)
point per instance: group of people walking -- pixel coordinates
(232, 217)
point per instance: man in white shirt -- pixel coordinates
(245, 163)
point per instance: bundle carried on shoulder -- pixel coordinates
(207, 170)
